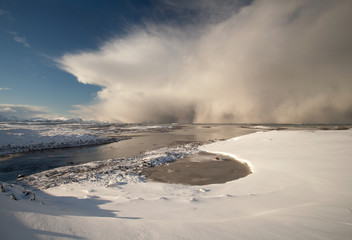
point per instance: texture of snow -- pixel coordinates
(33, 136)
(109, 172)
(300, 189)
(24, 137)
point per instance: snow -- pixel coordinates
(28, 136)
(300, 189)
(112, 171)
(32, 136)
(147, 127)
(261, 127)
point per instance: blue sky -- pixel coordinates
(228, 61)
(33, 33)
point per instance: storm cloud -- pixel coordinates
(271, 61)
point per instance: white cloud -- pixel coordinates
(273, 61)
(21, 40)
(4, 89)
(22, 112)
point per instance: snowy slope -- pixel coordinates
(300, 189)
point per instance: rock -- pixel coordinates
(20, 176)
(13, 197)
(2, 188)
(26, 192)
(32, 197)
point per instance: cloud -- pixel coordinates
(4, 89)
(6, 14)
(21, 40)
(271, 61)
(10, 112)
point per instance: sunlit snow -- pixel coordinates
(300, 189)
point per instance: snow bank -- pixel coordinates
(300, 189)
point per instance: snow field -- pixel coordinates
(300, 189)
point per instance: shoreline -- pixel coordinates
(137, 145)
(198, 169)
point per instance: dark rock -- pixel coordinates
(32, 197)
(13, 197)
(26, 192)
(2, 188)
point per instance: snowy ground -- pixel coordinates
(33, 136)
(109, 172)
(300, 189)
(26, 137)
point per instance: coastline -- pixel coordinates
(140, 139)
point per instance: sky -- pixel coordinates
(159, 61)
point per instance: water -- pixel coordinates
(32, 162)
(199, 169)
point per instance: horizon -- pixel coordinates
(79, 120)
